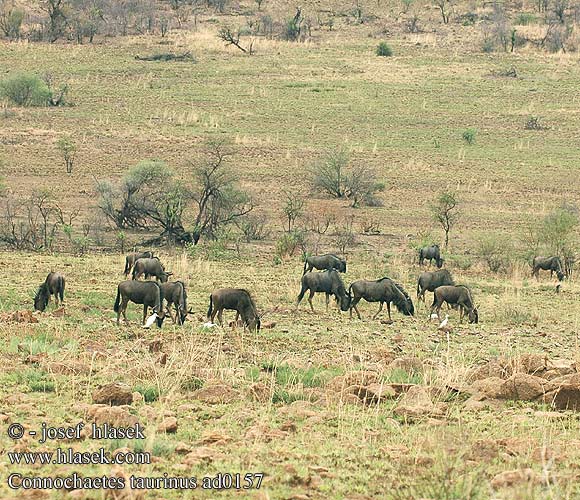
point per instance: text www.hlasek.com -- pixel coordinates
(69, 457)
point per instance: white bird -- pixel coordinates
(150, 320)
(434, 316)
(444, 322)
(209, 324)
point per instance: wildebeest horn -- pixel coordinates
(169, 273)
(190, 311)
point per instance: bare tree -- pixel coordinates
(68, 150)
(292, 209)
(233, 38)
(57, 20)
(444, 7)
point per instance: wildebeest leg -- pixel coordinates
(310, 300)
(220, 317)
(213, 313)
(123, 308)
(327, 300)
(380, 309)
(389, 310)
(353, 304)
(144, 313)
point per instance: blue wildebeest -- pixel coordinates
(328, 282)
(455, 294)
(53, 285)
(174, 293)
(429, 280)
(324, 263)
(235, 299)
(133, 257)
(385, 291)
(552, 264)
(150, 267)
(431, 253)
(148, 293)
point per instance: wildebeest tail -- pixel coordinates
(127, 266)
(210, 306)
(305, 266)
(61, 288)
(117, 300)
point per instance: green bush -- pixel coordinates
(525, 19)
(384, 50)
(495, 250)
(26, 90)
(287, 245)
(150, 393)
(469, 135)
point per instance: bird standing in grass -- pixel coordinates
(444, 326)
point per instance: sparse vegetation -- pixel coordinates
(445, 211)
(25, 90)
(384, 50)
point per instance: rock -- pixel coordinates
(260, 392)
(268, 324)
(521, 386)
(70, 368)
(162, 359)
(138, 397)
(415, 403)
(168, 425)
(35, 359)
(182, 448)
(359, 377)
(214, 437)
(203, 454)
(487, 388)
(115, 416)
(18, 317)
(514, 477)
(409, 364)
(492, 369)
(114, 394)
(558, 368)
(215, 392)
(58, 313)
(374, 393)
(566, 397)
(532, 364)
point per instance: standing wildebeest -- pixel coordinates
(175, 294)
(150, 267)
(133, 257)
(148, 293)
(384, 290)
(324, 263)
(432, 253)
(552, 264)
(429, 280)
(458, 294)
(236, 299)
(53, 285)
(328, 282)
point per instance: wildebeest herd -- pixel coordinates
(161, 295)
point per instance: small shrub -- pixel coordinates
(384, 50)
(254, 227)
(488, 46)
(462, 262)
(495, 250)
(469, 135)
(525, 19)
(26, 90)
(150, 393)
(37, 380)
(289, 243)
(191, 383)
(534, 123)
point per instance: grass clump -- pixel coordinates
(384, 50)
(150, 393)
(26, 90)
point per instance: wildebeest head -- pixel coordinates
(440, 262)
(344, 300)
(473, 316)
(560, 275)
(165, 277)
(341, 266)
(160, 316)
(183, 314)
(41, 298)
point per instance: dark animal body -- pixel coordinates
(235, 299)
(133, 257)
(457, 294)
(150, 267)
(328, 282)
(431, 253)
(430, 280)
(552, 264)
(324, 263)
(53, 285)
(148, 293)
(174, 293)
(385, 291)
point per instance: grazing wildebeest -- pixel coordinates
(328, 282)
(53, 285)
(174, 293)
(429, 280)
(150, 267)
(148, 293)
(455, 294)
(324, 263)
(384, 290)
(236, 299)
(133, 257)
(432, 253)
(552, 264)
